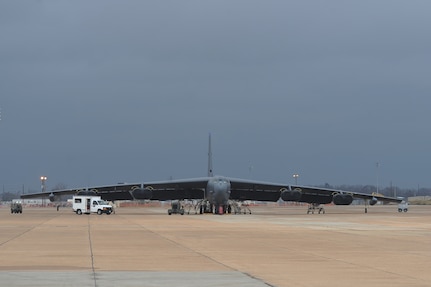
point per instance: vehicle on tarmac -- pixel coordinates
(403, 206)
(90, 204)
(176, 208)
(16, 206)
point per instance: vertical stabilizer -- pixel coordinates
(210, 158)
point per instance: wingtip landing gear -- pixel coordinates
(366, 206)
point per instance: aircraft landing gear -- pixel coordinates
(312, 207)
(239, 207)
(203, 206)
(366, 206)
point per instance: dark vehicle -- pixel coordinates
(176, 208)
(16, 207)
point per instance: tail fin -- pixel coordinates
(210, 158)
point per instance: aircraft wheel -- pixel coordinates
(405, 210)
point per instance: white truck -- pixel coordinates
(90, 204)
(403, 206)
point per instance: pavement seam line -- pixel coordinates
(316, 254)
(26, 231)
(200, 253)
(91, 252)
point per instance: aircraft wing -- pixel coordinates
(120, 189)
(255, 190)
(265, 191)
(308, 193)
(193, 188)
(379, 197)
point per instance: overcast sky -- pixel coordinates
(100, 92)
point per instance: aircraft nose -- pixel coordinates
(221, 192)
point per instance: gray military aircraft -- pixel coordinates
(219, 194)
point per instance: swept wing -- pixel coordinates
(241, 190)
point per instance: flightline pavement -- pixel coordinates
(273, 246)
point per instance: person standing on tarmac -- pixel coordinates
(112, 204)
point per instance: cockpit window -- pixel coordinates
(221, 180)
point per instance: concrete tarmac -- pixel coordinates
(274, 246)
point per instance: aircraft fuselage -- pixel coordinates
(218, 191)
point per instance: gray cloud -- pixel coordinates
(95, 92)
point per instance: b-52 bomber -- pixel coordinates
(220, 194)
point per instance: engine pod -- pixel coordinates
(342, 199)
(291, 195)
(142, 193)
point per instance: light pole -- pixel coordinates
(295, 176)
(43, 186)
(43, 182)
(377, 176)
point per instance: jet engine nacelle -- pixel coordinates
(342, 199)
(291, 195)
(373, 201)
(51, 197)
(142, 193)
